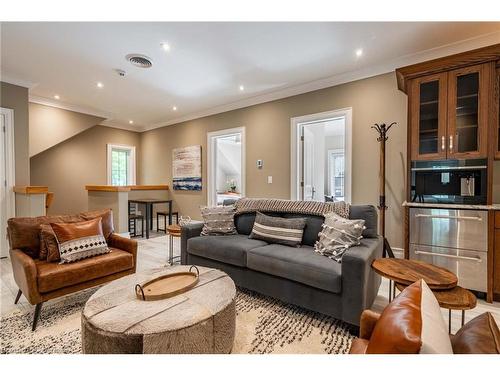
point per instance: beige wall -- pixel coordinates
(50, 126)
(16, 98)
(267, 125)
(67, 167)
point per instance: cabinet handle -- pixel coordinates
(475, 218)
(476, 259)
(443, 147)
(451, 143)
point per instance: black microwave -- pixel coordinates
(449, 181)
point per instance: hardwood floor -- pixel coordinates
(153, 253)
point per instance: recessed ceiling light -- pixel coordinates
(359, 52)
(100, 85)
(57, 97)
(174, 108)
(130, 122)
(165, 46)
(242, 87)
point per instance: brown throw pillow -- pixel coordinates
(411, 324)
(107, 220)
(24, 234)
(48, 241)
(48, 244)
(80, 240)
(479, 336)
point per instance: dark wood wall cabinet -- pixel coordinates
(454, 113)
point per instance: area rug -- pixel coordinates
(263, 325)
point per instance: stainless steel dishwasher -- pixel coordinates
(453, 239)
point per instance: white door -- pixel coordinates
(3, 191)
(308, 164)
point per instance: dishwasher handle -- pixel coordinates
(475, 259)
(474, 218)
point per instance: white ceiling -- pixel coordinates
(208, 61)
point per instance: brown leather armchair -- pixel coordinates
(40, 280)
(479, 336)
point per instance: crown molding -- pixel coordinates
(17, 82)
(68, 106)
(390, 66)
(338, 79)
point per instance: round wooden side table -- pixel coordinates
(456, 298)
(173, 231)
(406, 272)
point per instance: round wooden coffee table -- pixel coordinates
(201, 320)
(456, 298)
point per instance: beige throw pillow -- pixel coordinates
(338, 235)
(218, 221)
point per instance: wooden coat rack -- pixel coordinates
(382, 130)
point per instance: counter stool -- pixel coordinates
(165, 215)
(132, 224)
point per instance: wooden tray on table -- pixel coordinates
(167, 286)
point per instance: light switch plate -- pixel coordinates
(269, 179)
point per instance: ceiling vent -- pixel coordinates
(140, 61)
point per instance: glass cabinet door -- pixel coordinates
(428, 117)
(467, 125)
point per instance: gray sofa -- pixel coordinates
(295, 275)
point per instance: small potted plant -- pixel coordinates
(232, 186)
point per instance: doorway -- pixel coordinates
(321, 156)
(226, 165)
(7, 175)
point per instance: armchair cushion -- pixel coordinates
(411, 324)
(53, 276)
(479, 336)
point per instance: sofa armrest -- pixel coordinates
(367, 323)
(125, 244)
(188, 231)
(360, 283)
(25, 275)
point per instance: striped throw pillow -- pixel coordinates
(278, 230)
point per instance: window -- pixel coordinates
(121, 165)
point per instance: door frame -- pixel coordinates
(296, 151)
(10, 171)
(211, 160)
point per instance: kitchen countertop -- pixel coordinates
(485, 207)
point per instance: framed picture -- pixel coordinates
(186, 166)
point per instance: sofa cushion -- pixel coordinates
(107, 220)
(53, 276)
(244, 224)
(312, 228)
(369, 214)
(227, 249)
(300, 264)
(479, 336)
